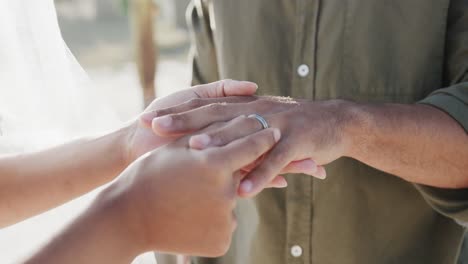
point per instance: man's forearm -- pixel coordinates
(418, 143)
(32, 183)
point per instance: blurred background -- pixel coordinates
(133, 50)
(120, 42)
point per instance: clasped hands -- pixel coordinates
(312, 133)
(199, 151)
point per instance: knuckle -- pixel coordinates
(181, 120)
(219, 138)
(221, 86)
(226, 82)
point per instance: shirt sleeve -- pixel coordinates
(202, 52)
(453, 100)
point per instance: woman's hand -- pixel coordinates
(173, 199)
(181, 200)
(140, 137)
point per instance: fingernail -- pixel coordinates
(282, 184)
(200, 141)
(164, 121)
(322, 174)
(276, 134)
(251, 83)
(310, 166)
(246, 186)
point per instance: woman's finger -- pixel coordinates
(200, 102)
(197, 119)
(274, 162)
(278, 182)
(306, 166)
(244, 151)
(224, 88)
(147, 117)
(261, 176)
(237, 128)
(219, 89)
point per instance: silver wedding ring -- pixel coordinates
(260, 119)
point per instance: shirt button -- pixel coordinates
(303, 70)
(296, 251)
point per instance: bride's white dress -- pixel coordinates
(45, 96)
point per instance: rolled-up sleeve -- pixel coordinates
(453, 100)
(452, 203)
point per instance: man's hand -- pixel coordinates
(310, 130)
(419, 143)
(142, 139)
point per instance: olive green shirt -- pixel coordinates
(398, 51)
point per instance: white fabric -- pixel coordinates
(45, 96)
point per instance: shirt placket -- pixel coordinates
(299, 193)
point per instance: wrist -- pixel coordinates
(124, 137)
(116, 206)
(355, 126)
